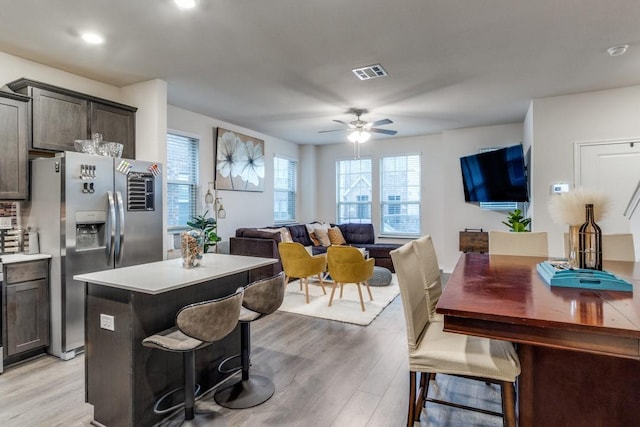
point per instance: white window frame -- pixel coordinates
(192, 183)
(402, 205)
(359, 205)
(289, 188)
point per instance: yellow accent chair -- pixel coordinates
(347, 265)
(298, 263)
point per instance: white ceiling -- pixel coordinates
(283, 67)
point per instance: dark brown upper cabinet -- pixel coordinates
(60, 116)
(14, 139)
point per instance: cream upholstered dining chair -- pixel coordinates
(347, 265)
(298, 263)
(433, 351)
(615, 247)
(430, 270)
(520, 244)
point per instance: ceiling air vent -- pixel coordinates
(370, 72)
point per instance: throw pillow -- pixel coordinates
(285, 235)
(336, 237)
(322, 236)
(316, 225)
(313, 238)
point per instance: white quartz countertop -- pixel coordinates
(162, 276)
(11, 258)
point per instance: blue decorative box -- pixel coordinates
(558, 274)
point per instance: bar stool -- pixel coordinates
(261, 298)
(197, 326)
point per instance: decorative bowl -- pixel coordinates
(112, 149)
(88, 146)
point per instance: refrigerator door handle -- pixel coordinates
(120, 248)
(111, 220)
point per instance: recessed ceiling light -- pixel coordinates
(92, 38)
(618, 50)
(185, 4)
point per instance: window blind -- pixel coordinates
(353, 190)
(182, 179)
(284, 189)
(400, 195)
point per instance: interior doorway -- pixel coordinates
(613, 167)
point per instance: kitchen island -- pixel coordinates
(123, 306)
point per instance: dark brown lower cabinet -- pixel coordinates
(26, 308)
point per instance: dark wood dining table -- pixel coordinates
(579, 349)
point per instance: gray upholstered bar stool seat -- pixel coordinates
(198, 325)
(261, 298)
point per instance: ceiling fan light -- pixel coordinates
(359, 136)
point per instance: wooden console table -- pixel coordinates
(579, 349)
(124, 378)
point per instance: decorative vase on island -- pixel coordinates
(192, 248)
(590, 242)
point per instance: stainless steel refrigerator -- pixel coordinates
(93, 213)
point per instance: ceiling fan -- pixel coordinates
(360, 129)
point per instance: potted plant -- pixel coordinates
(517, 222)
(208, 227)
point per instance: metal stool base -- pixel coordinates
(246, 394)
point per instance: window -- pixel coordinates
(400, 195)
(284, 189)
(354, 190)
(182, 180)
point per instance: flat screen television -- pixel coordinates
(495, 176)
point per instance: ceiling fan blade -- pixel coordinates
(332, 130)
(385, 131)
(381, 122)
(340, 121)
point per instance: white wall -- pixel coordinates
(560, 122)
(444, 212)
(244, 209)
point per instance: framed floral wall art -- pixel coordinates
(239, 161)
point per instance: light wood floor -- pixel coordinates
(326, 374)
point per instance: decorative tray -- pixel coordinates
(558, 273)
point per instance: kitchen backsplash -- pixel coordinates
(10, 239)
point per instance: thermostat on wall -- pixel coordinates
(560, 188)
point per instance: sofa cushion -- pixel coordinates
(358, 233)
(258, 234)
(285, 236)
(299, 234)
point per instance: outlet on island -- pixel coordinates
(107, 322)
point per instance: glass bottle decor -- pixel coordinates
(590, 243)
(573, 245)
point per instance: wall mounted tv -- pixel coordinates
(495, 176)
